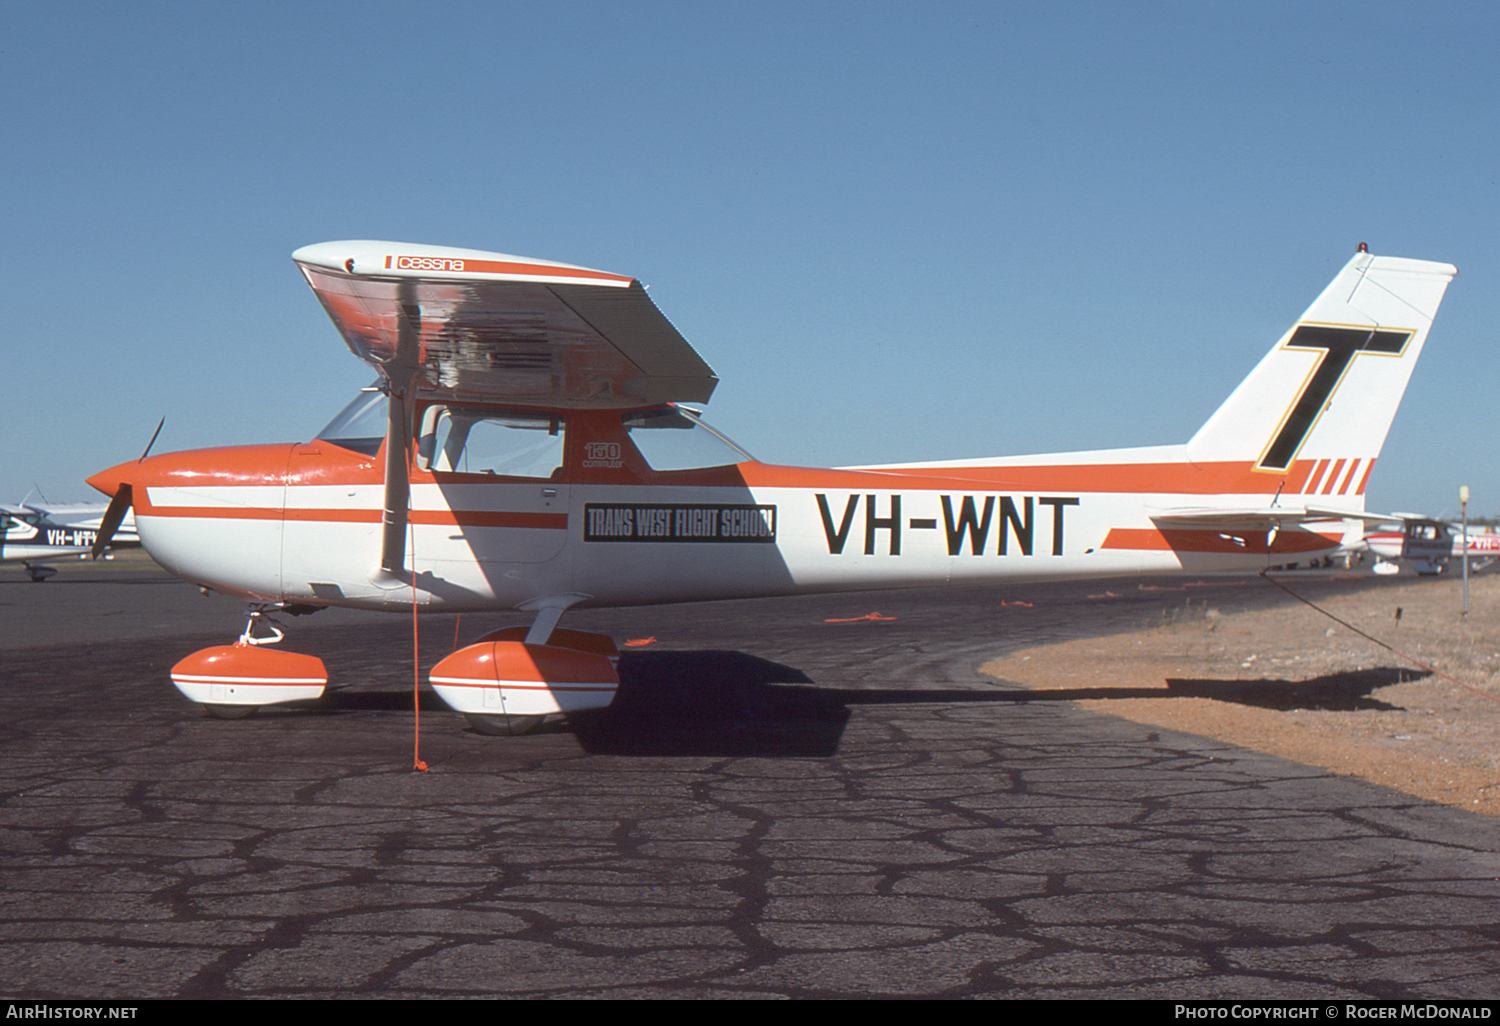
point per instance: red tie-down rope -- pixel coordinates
(1389, 648)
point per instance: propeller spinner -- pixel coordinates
(120, 502)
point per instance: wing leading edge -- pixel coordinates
(489, 327)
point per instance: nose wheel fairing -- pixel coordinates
(232, 681)
(245, 675)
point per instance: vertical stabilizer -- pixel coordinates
(1317, 408)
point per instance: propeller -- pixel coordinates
(120, 504)
(113, 516)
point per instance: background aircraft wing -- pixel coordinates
(490, 327)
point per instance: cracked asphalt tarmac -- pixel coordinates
(776, 806)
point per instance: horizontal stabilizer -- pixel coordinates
(1257, 519)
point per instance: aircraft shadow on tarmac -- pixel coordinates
(714, 703)
(1344, 692)
(722, 703)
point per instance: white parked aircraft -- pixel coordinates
(23, 539)
(525, 450)
(74, 523)
(34, 531)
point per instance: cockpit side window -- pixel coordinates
(482, 440)
(22, 525)
(673, 438)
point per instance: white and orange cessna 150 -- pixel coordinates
(524, 449)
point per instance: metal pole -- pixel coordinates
(1463, 503)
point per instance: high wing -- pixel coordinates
(489, 327)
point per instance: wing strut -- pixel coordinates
(393, 514)
(402, 374)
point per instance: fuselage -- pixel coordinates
(599, 503)
(27, 535)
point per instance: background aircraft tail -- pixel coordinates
(1317, 408)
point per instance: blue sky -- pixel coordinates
(897, 231)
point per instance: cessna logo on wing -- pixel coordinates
(423, 263)
(970, 522)
(641, 522)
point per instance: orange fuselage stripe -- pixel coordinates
(1120, 478)
(445, 518)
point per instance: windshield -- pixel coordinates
(360, 426)
(673, 438)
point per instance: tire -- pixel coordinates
(231, 712)
(500, 725)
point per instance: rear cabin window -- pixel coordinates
(673, 438)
